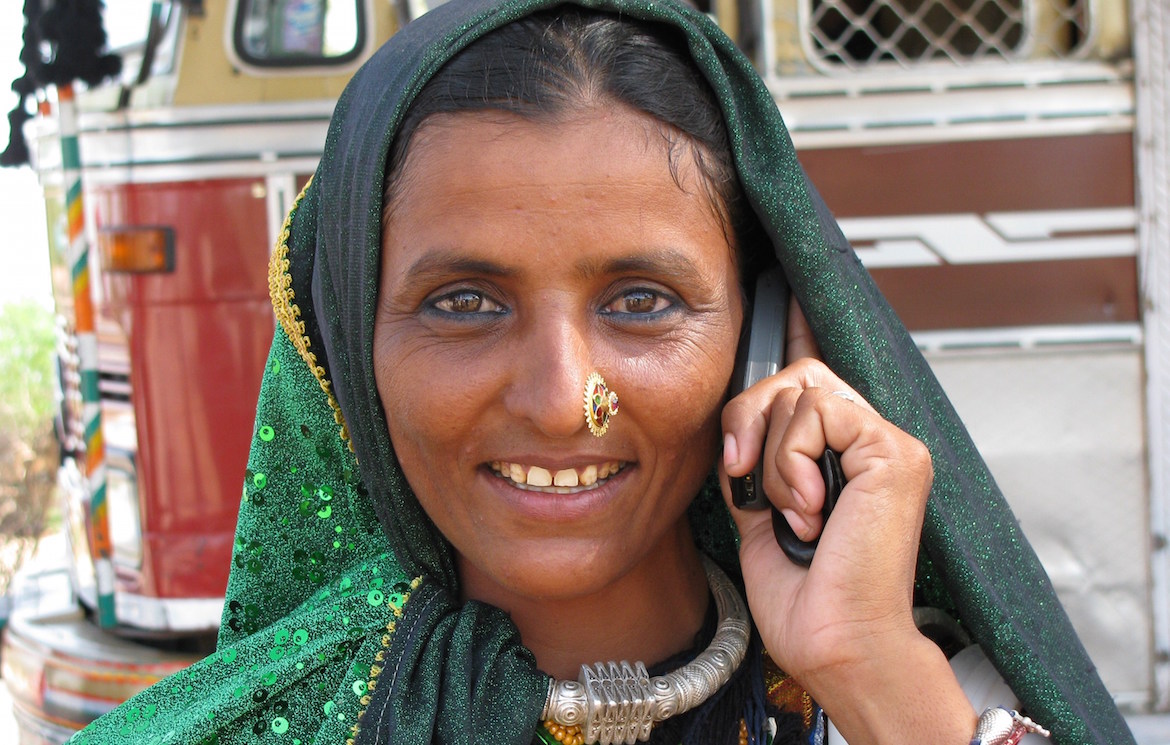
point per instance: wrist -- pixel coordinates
(841, 656)
(901, 691)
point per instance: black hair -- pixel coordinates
(557, 61)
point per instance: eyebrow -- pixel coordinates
(661, 260)
(444, 262)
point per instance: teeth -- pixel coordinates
(589, 476)
(564, 479)
(538, 476)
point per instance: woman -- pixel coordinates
(509, 219)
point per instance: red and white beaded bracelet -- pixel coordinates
(1000, 726)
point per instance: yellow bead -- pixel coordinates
(564, 735)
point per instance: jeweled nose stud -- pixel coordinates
(600, 404)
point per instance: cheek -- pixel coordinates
(418, 445)
(683, 393)
(410, 386)
(433, 402)
(422, 387)
(697, 403)
(394, 375)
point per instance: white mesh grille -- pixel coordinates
(860, 34)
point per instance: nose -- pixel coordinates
(547, 387)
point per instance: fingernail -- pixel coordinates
(799, 526)
(730, 450)
(801, 502)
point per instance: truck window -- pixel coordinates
(141, 30)
(299, 33)
(847, 35)
(126, 24)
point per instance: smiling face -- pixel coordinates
(520, 256)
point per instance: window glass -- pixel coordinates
(290, 33)
(126, 23)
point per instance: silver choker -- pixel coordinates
(616, 702)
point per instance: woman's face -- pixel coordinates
(518, 258)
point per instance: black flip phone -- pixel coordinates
(760, 354)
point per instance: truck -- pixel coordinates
(1000, 167)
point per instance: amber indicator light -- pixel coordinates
(137, 249)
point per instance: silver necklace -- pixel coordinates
(616, 702)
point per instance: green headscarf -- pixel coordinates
(343, 600)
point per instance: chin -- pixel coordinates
(561, 569)
(536, 570)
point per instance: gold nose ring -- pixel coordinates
(600, 404)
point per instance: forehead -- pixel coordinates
(602, 133)
(600, 163)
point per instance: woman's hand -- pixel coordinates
(844, 626)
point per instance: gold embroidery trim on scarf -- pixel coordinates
(288, 314)
(380, 657)
(784, 693)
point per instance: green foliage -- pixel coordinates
(28, 449)
(27, 398)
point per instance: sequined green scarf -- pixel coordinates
(341, 587)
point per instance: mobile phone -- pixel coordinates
(760, 354)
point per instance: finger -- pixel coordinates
(746, 418)
(794, 482)
(801, 343)
(758, 545)
(823, 418)
(793, 485)
(791, 506)
(888, 471)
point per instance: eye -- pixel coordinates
(466, 302)
(641, 301)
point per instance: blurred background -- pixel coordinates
(1001, 166)
(28, 449)
(26, 327)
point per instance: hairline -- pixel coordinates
(562, 112)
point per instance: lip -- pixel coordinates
(550, 507)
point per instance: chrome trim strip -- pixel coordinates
(185, 615)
